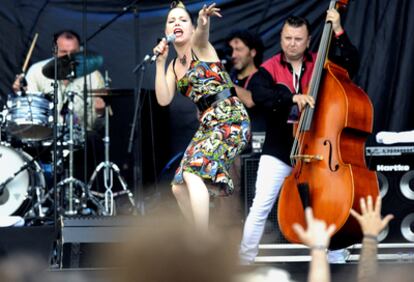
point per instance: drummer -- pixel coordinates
(67, 42)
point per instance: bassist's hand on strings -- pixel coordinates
(303, 100)
(333, 16)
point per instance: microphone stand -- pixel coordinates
(55, 129)
(85, 97)
(136, 127)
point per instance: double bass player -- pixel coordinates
(276, 87)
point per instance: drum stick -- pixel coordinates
(29, 54)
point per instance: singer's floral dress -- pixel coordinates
(224, 129)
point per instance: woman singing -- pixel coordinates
(224, 129)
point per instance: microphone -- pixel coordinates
(170, 38)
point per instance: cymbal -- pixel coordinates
(104, 92)
(72, 66)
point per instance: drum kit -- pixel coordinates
(26, 122)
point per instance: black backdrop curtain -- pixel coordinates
(380, 29)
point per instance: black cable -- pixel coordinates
(36, 20)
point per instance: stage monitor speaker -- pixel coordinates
(396, 182)
(249, 165)
(33, 240)
(84, 239)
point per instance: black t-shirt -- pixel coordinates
(257, 119)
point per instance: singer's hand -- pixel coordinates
(17, 83)
(162, 50)
(207, 12)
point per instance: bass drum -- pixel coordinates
(16, 196)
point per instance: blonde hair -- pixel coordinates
(177, 4)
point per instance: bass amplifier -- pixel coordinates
(395, 170)
(249, 166)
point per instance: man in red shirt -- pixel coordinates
(276, 87)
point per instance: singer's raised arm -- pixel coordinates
(164, 81)
(202, 32)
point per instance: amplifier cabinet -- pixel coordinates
(249, 165)
(395, 171)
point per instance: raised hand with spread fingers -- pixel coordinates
(370, 218)
(317, 237)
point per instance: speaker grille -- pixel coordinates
(396, 181)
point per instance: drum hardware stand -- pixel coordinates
(54, 153)
(70, 181)
(41, 198)
(108, 169)
(108, 166)
(38, 205)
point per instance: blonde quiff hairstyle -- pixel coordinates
(179, 4)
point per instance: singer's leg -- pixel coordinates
(199, 199)
(183, 199)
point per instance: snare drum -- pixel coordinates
(30, 116)
(16, 194)
(63, 137)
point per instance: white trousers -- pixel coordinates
(270, 176)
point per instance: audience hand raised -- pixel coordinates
(317, 233)
(370, 217)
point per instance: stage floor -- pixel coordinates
(298, 271)
(93, 231)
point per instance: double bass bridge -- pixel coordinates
(308, 158)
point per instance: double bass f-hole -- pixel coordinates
(336, 167)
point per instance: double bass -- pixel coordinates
(328, 154)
